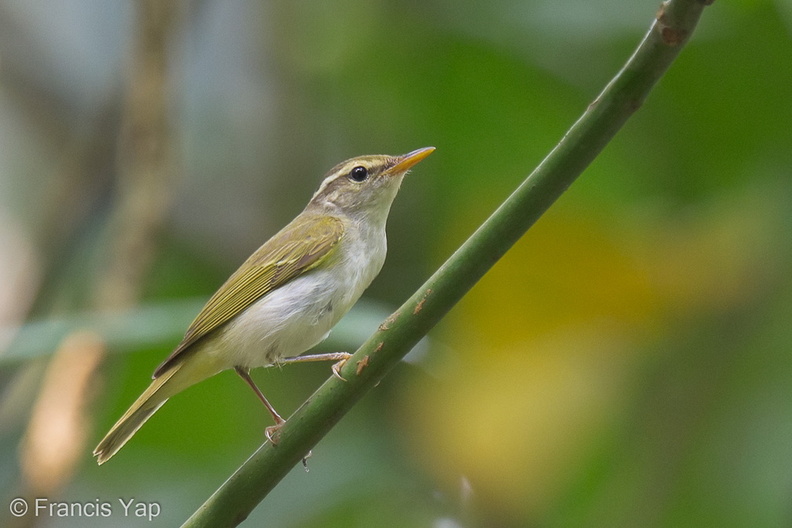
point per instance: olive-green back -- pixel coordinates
(296, 249)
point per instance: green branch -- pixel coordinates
(237, 497)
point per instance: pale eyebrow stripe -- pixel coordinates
(342, 171)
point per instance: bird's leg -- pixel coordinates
(340, 359)
(271, 431)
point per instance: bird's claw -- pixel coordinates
(273, 433)
(337, 366)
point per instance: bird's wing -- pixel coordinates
(296, 249)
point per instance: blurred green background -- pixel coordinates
(628, 363)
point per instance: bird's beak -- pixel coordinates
(406, 161)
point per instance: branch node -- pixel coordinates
(672, 36)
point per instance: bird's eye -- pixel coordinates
(358, 174)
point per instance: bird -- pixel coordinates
(287, 296)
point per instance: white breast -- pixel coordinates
(298, 315)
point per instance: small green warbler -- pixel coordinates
(287, 296)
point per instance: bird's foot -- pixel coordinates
(339, 357)
(337, 366)
(273, 432)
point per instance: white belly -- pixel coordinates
(295, 317)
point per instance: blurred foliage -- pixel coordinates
(627, 364)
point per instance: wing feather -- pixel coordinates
(297, 248)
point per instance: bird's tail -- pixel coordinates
(147, 404)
